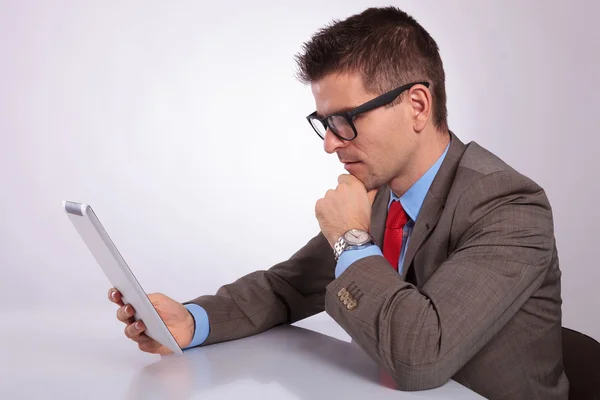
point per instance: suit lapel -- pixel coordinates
(434, 202)
(432, 207)
(426, 221)
(379, 215)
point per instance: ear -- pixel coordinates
(421, 106)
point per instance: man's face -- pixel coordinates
(385, 144)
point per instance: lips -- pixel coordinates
(351, 166)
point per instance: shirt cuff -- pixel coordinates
(202, 327)
(349, 256)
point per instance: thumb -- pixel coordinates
(371, 195)
(156, 298)
(161, 301)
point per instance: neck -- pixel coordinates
(428, 152)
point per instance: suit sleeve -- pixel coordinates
(288, 292)
(504, 238)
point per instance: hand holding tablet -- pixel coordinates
(175, 316)
(156, 322)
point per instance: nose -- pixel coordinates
(332, 143)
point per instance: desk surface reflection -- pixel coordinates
(63, 359)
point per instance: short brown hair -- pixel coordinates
(386, 46)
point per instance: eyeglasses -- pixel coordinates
(342, 125)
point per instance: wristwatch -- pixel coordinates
(352, 238)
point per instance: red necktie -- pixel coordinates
(394, 229)
(392, 246)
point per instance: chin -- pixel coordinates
(370, 184)
(374, 183)
(372, 187)
(368, 180)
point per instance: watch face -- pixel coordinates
(356, 237)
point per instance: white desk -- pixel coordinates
(84, 355)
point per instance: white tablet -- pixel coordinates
(118, 273)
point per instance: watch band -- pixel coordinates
(341, 245)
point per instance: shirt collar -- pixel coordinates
(413, 199)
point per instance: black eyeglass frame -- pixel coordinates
(372, 104)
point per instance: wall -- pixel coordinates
(183, 126)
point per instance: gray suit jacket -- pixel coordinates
(479, 300)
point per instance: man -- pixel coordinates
(436, 257)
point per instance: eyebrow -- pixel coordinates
(340, 111)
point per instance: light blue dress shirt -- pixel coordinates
(411, 201)
(201, 321)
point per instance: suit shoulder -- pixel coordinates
(482, 161)
(478, 163)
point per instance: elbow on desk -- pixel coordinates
(409, 377)
(418, 364)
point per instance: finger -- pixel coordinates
(115, 296)
(371, 194)
(125, 313)
(147, 344)
(133, 331)
(345, 178)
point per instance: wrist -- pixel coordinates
(351, 239)
(359, 247)
(191, 326)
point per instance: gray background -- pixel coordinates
(182, 124)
